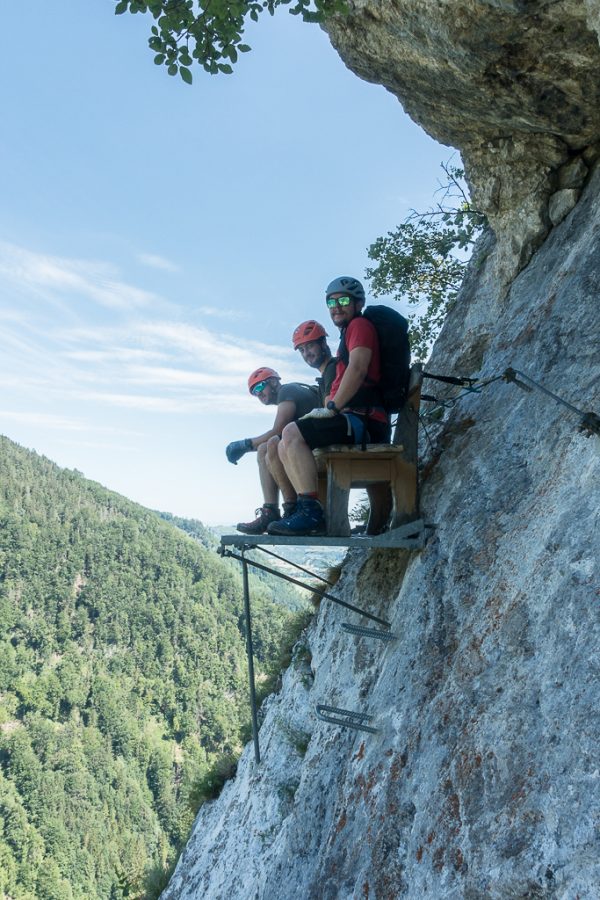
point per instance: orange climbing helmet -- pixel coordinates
(307, 331)
(261, 375)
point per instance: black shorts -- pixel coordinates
(338, 430)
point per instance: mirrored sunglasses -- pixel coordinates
(259, 388)
(332, 302)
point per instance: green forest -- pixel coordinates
(123, 682)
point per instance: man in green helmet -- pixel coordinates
(353, 413)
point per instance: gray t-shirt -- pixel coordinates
(303, 396)
(325, 381)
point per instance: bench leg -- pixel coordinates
(380, 503)
(404, 492)
(322, 489)
(338, 494)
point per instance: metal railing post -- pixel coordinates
(249, 653)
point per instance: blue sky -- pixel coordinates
(158, 241)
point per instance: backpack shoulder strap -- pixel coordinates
(342, 353)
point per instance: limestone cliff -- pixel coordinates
(512, 83)
(483, 781)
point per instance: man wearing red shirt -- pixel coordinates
(353, 413)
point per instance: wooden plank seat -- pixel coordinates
(387, 471)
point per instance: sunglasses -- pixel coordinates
(259, 388)
(332, 302)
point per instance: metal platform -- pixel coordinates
(407, 537)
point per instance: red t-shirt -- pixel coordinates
(362, 333)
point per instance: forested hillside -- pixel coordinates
(122, 683)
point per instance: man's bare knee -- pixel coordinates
(290, 435)
(272, 447)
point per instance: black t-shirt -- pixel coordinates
(304, 398)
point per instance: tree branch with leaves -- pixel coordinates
(210, 32)
(423, 260)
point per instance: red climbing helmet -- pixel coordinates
(307, 331)
(261, 375)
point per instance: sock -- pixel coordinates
(310, 495)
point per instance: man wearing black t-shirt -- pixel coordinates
(310, 340)
(292, 401)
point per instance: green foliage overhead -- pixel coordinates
(123, 683)
(418, 261)
(210, 32)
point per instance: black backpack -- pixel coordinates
(394, 351)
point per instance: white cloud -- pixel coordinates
(234, 403)
(61, 423)
(221, 352)
(178, 377)
(220, 313)
(115, 354)
(157, 262)
(125, 355)
(95, 281)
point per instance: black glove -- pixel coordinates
(236, 449)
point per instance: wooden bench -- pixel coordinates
(387, 471)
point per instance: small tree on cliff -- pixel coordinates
(209, 32)
(423, 260)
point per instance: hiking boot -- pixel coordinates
(289, 508)
(309, 519)
(265, 515)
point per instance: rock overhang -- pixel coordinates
(513, 84)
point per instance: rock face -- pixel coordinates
(483, 780)
(512, 83)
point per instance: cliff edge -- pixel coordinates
(483, 779)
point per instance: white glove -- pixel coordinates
(319, 413)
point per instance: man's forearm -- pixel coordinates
(352, 380)
(262, 438)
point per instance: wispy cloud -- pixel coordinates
(115, 354)
(123, 353)
(96, 281)
(222, 313)
(162, 375)
(222, 352)
(227, 403)
(60, 423)
(154, 261)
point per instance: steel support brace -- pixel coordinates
(250, 655)
(314, 590)
(295, 565)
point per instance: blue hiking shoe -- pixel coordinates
(309, 519)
